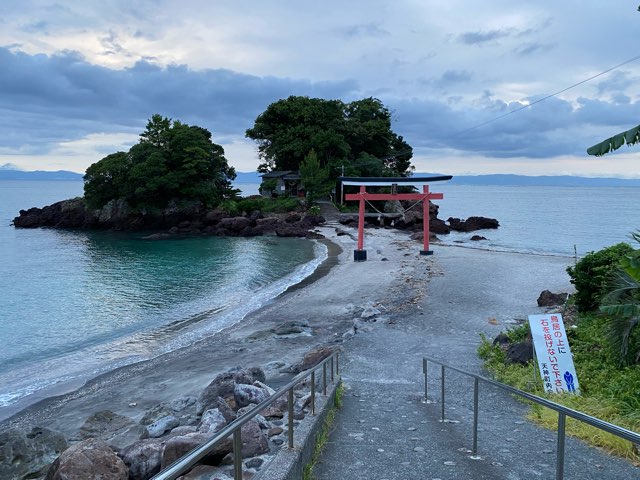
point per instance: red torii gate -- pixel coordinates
(360, 255)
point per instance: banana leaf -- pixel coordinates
(630, 137)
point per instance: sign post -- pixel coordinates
(553, 354)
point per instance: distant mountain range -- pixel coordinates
(11, 172)
(8, 173)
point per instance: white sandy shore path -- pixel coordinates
(395, 278)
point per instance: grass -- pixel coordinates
(323, 436)
(608, 391)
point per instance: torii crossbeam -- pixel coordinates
(360, 255)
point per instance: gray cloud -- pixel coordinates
(532, 48)
(364, 30)
(617, 82)
(46, 99)
(479, 38)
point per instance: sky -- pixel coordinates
(80, 79)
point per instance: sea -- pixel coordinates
(76, 304)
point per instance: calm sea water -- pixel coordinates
(548, 220)
(74, 304)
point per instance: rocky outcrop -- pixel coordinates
(178, 218)
(28, 454)
(549, 299)
(472, 223)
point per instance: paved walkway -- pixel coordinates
(386, 431)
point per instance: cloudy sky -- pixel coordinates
(79, 79)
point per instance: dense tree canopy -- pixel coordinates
(355, 135)
(172, 160)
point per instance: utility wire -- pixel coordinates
(547, 97)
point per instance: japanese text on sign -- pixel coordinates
(554, 355)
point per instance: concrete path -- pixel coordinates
(385, 430)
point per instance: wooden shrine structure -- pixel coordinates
(360, 255)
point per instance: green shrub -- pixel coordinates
(592, 273)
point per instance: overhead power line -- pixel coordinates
(547, 97)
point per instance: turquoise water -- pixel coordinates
(74, 304)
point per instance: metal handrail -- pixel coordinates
(563, 411)
(188, 461)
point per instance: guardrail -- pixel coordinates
(563, 411)
(188, 461)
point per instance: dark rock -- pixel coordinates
(143, 458)
(292, 327)
(223, 385)
(177, 447)
(438, 226)
(472, 223)
(521, 353)
(234, 224)
(254, 441)
(477, 238)
(183, 408)
(65, 214)
(108, 426)
(314, 357)
(292, 217)
(548, 299)
(88, 459)
(347, 220)
(28, 454)
(254, 463)
(502, 340)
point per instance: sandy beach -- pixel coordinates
(395, 279)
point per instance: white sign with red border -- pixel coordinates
(554, 355)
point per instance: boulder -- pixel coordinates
(502, 341)
(209, 472)
(472, 223)
(314, 357)
(223, 385)
(179, 446)
(212, 421)
(161, 426)
(548, 299)
(477, 238)
(29, 453)
(521, 353)
(183, 408)
(88, 459)
(247, 394)
(143, 458)
(254, 441)
(116, 430)
(65, 214)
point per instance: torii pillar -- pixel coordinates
(360, 255)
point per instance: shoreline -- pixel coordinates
(394, 279)
(58, 391)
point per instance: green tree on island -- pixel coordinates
(172, 161)
(314, 177)
(353, 137)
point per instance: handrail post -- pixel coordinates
(313, 392)
(475, 416)
(290, 411)
(442, 391)
(337, 362)
(332, 381)
(425, 369)
(237, 454)
(562, 420)
(324, 379)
